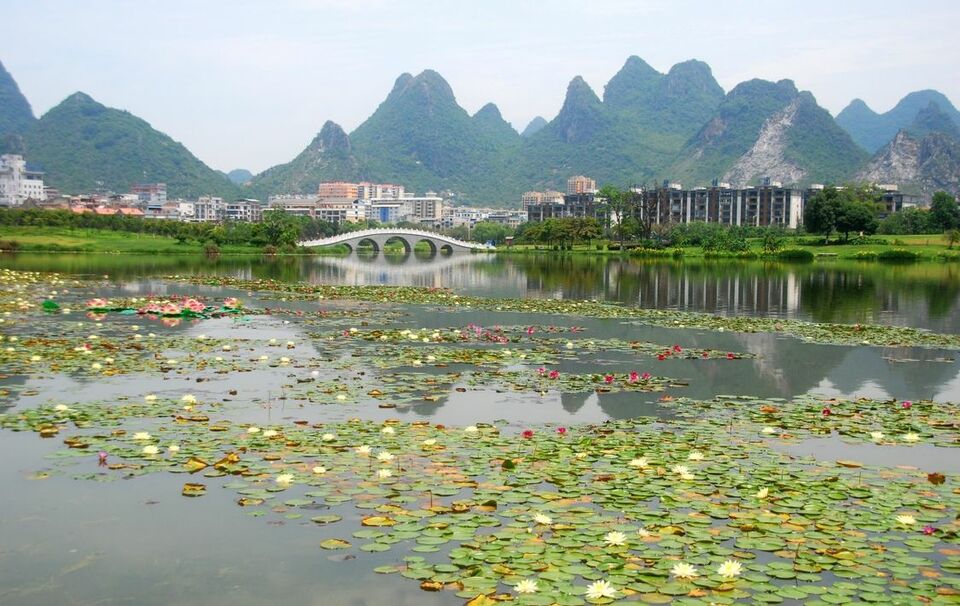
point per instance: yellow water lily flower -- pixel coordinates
(696, 455)
(284, 478)
(910, 437)
(640, 462)
(253, 429)
(388, 430)
(142, 435)
(682, 570)
(319, 470)
(328, 437)
(730, 569)
(906, 519)
(763, 493)
(526, 586)
(601, 589)
(876, 436)
(189, 398)
(540, 518)
(150, 398)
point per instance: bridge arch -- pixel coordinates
(410, 237)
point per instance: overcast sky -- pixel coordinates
(247, 84)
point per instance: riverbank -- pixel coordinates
(925, 247)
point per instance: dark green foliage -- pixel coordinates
(846, 210)
(84, 146)
(276, 228)
(795, 254)
(534, 125)
(907, 221)
(16, 117)
(562, 232)
(898, 255)
(872, 131)
(944, 211)
(485, 231)
(931, 119)
(819, 146)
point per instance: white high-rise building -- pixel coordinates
(17, 184)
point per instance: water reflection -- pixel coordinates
(923, 295)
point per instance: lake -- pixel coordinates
(80, 533)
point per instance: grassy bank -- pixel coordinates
(932, 247)
(54, 239)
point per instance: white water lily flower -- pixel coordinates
(269, 433)
(291, 344)
(225, 348)
(471, 429)
(906, 519)
(35, 358)
(341, 397)
(150, 450)
(96, 366)
(189, 399)
(388, 430)
(384, 473)
(61, 408)
(682, 570)
(264, 358)
(352, 329)
(696, 455)
(173, 448)
(876, 436)
(328, 437)
(284, 360)
(730, 569)
(142, 435)
(429, 442)
(643, 532)
(201, 337)
(768, 430)
(569, 345)
(910, 437)
(385, 456)
(640, 462)
(253, 429)
(762, 493)
(544, 519)
(363, 450)
(319, 470)
(581, 455)
(601, 589)
(150, 398)
(615, 538)
(284, 478)
(526, 586)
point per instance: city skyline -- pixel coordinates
(247, 85)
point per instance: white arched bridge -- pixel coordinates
(378, 238)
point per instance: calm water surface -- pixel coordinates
(64, 541)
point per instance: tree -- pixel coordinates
(944, 212)
(952, 236)
(820, 214)
(856, 216)
(485, 231)
(617, 203)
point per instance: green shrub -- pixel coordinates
(795, 254)
(270, 249)
(865, 255)
(210, 248)
(898, 255)
(9, 245)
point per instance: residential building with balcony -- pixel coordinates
(18, 183)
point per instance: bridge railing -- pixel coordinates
(365, 233)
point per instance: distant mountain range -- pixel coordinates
(648, 126)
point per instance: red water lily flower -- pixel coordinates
(730, 356)
(661, 357)
(705, 355)
(527, 434)
(677, 348)
(826, 412)
(530, 330)
(562, 430)
(608, 379)
(554, 374)
(645, 376)
(542, 371)
(929, 529)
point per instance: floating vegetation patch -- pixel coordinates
(167, 307)
(703, 512)
(841, 334)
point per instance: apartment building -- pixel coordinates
(18, 183)
(581, 185)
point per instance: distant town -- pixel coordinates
(770, 203)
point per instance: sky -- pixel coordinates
(247, 84)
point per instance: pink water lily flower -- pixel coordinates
(907, 404)
(98, 303)
(634, 376)
(194, 305)
(608, 379)
(542, 371)
(554, 374)
(530, 330)
(645, 376)
(231, 302)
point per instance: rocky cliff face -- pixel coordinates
(924, 165)
(767, 157)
